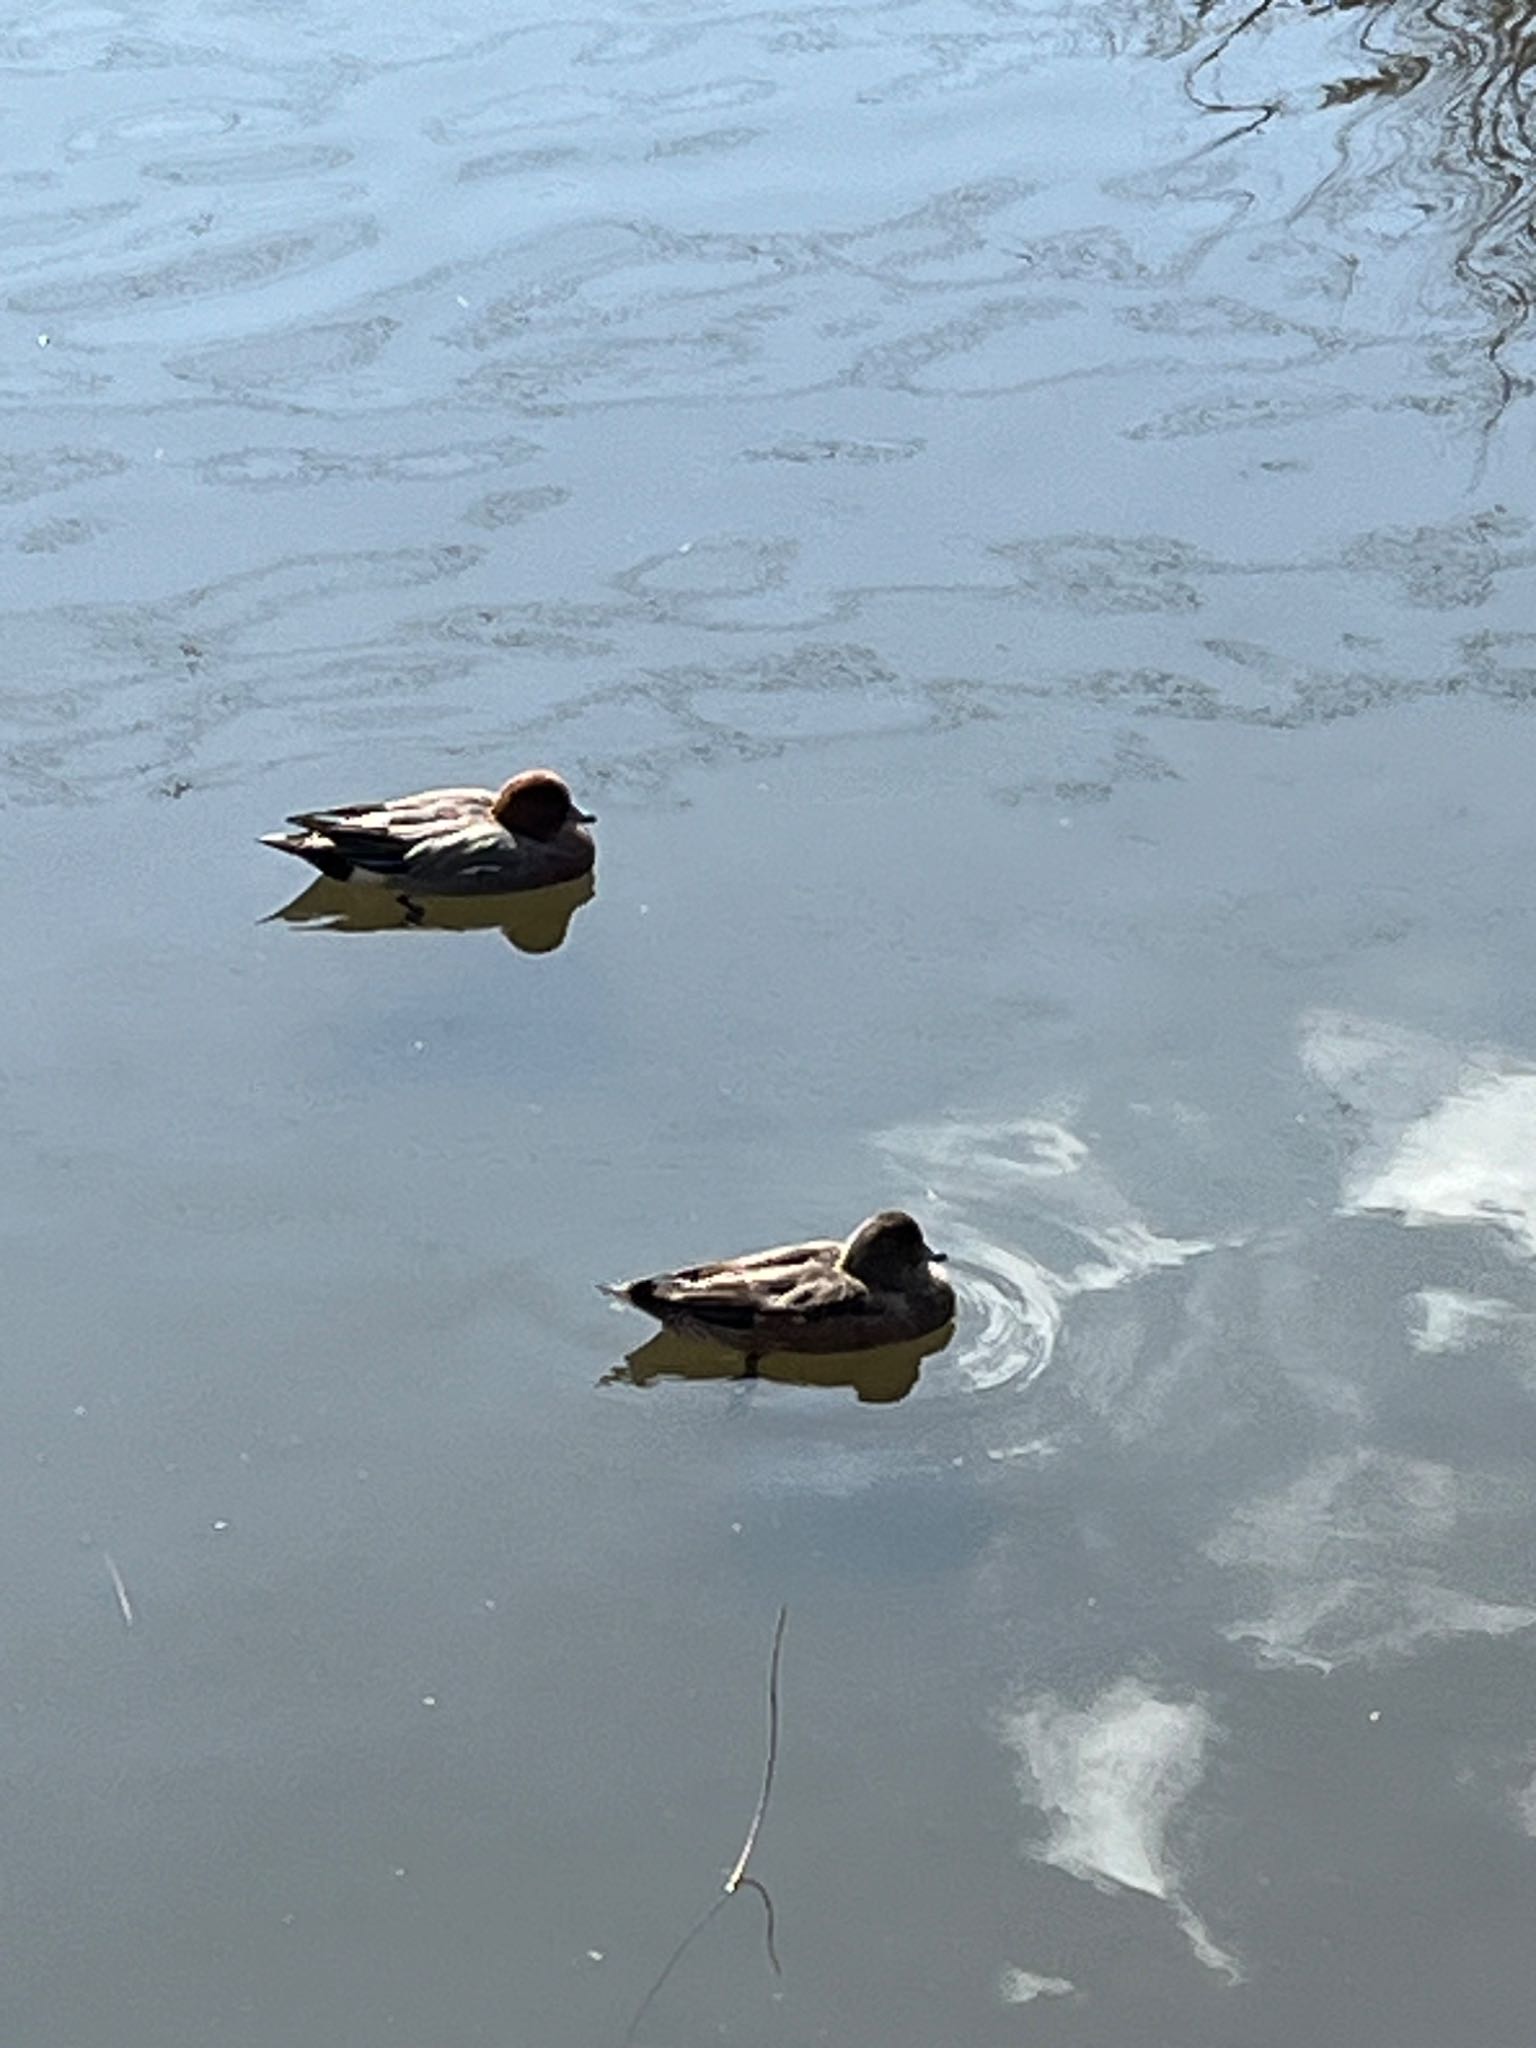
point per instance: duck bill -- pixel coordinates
(583, 817)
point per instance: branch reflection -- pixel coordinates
(1454, 148)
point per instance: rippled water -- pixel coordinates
(1018, 517)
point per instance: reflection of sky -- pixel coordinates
(1111, 1778)
(1440, 1139)
(368, 483)
(1351, 1558)
(1214, 1378)
(1138, 480)
(1472, 1158)
(1432, 161)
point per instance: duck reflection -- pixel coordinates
(880, 1376)
(533, 920)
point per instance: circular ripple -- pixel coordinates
(1009, 1313)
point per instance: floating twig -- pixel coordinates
(124, 1604)
(738, 1879)
(739, 1868)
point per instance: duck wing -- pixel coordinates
(791, 1284)
(430, 855)
(418, 838)
(470, 853)
(427, 810)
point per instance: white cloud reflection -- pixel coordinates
(1449, 1321)
(1353, 1557)
(1110, 1778)
(1442, 1137)
(1525, 1806)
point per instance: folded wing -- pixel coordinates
(419, 839)
(791, 1284)
(427, 810)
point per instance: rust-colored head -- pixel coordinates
(537, 805)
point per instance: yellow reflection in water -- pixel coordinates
(534, 920)
(886, 1374)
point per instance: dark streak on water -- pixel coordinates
(1019, 518)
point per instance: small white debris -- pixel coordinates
(429, 1699)
(80, 1411)
(399, 1872)
(43, 340)
(124, 1604)
(1374, 1714)
(1021, 1987)
(489, 1606)
(594, 1955)
(219, 1528)
(735, 1528)
(462, 300)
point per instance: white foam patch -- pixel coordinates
(1449, 1322)
(1353, 1560)
(1022, 1987)
(1111, 1777)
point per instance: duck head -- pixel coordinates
(537, 805)
(888, 1250)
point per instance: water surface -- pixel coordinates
(1018, 518)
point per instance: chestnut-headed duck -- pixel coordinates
(450, 842)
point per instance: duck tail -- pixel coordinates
(637, 1293)
(308, 847)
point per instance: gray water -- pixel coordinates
(1019, 518)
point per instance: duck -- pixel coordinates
(450, 842)
(875, 1287)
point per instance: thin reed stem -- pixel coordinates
(738, 1878)
(739, 1869)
